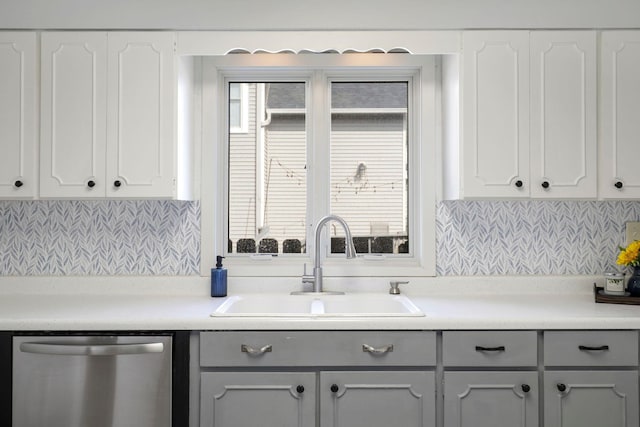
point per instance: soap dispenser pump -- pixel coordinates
(219, 279)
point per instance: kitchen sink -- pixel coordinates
(317, 305)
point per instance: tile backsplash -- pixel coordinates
(132, 237)
(99, 238)
(530, 237)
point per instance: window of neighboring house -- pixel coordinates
(324, 136)
(238, 108)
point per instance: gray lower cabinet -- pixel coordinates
(266, 399)
(490, 378)
(490, 399)
(591, 398)
(377, 399)
(591, 378)
(317, 379)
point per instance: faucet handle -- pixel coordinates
(395, 286)
(307, 278)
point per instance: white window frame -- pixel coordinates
(423, 139)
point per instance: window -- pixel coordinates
(238, 108)
(351, 135)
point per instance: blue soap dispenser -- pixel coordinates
(219, 279)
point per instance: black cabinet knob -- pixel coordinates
(518, 183)
(91, 183)
(526, 388)
(18, 184)
(561, 387)
(618, 184)
(300, 389)
(117, 183)
(334, 388)
(545, 184)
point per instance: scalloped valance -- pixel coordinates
(227, 42)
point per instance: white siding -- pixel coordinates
(287, 178)
(378, 142)
(242, 178)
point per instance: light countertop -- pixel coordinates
(130, 303)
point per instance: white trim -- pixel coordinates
(223, 42)
(422, 150)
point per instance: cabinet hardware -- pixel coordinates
(18, 184)
(481, 348)
(380, 350)
(545, 184)
(518, 183)
(561, 387)
(256, 351)
(618, 184)
(91, 183)
(590, 348)
(300, 389)
(334, 388)
(117, 183)
(91, 350)
(526, 388)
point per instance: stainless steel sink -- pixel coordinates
(312, 305)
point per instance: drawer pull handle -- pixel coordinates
(380, 350)
(300, 389)
(481, 348)
(334, 388)
(561, 387)
(589, 348)
(526, 388)
(256, 352)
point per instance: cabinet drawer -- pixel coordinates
(591, 348)
(491, 348)
(317, 348)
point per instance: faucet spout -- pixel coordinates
(350, 250)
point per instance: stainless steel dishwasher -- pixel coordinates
(92, 381)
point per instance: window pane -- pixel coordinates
(267, 172)
(369, 169)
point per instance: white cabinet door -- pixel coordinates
(563, 114)
(73, 114)
(141, 115)
(489, 399)
(377, 399)
(620, 114)
(18, 115)
(495, 111)
(591, 398)
(265, 399)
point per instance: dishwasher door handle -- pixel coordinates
(91, 349)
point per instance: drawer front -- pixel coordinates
(318, 348)
(591, 348)
(490, 348)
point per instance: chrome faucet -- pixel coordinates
(350, 251)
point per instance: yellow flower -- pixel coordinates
(629, 255)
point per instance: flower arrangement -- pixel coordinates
(630, 255)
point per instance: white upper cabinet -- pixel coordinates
(495, 114)
(18, 115)
(141, 109)
(73, 114)
(529, 114)
(563, 114)
(620, 114)
(108, 115)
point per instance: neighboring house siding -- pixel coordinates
(242, 179)
(373, 193)
(286, 180)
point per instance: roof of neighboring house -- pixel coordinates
(343, 95)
